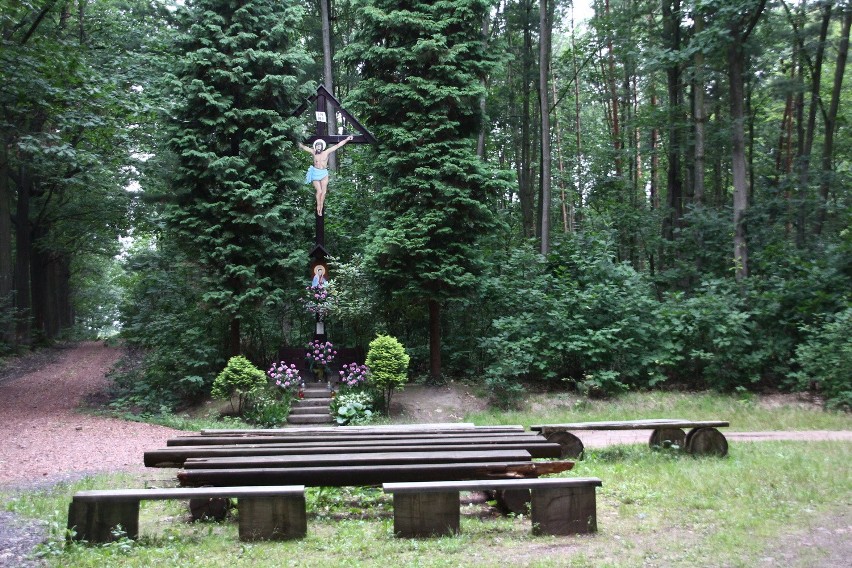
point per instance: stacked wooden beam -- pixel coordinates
(356, 455)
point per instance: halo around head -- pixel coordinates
(320, 143)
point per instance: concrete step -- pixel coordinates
(313, 402)
(302, 410)
(310, 419)
(317, 392)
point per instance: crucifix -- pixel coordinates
(319, 146)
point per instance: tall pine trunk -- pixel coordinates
(544, 98)
(806, 147)
(7, 334)
(831, 123)
(435, 340)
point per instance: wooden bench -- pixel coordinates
(559, 506)
(265, 513)
(702, 439)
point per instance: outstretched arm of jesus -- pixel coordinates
(339, 144)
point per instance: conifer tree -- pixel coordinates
(234, 197)
(422, 63)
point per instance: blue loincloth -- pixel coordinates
(315, 174)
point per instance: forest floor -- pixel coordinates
(46, 439)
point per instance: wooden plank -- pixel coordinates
(175, 457)
(364, 430)
(397, 427)
(630, 425)
(223, 440)
(368, 475)
(340, 460)
(159, 494)
(490, 484)
(529, 438)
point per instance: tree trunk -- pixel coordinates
(544, 98)
(480, 139)
(700, 118)
(804, 158)
(613, 95)
(738, 158)
(526, 194)
(7, 334)
(23, 249)
(831, 123)
(435, 340)
(234, 337)
(327, 73)
(674, 183)
(563, 198)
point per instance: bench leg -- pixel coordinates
(564, 510)
(425, 514)
(272, 518)
(95, 521)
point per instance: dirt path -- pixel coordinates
(44, 435)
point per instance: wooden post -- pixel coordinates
(276, 518)
(94, 521)
(549, 506)
(425, 514)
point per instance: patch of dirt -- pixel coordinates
(45, 435)
(429, 405)
(826, 542)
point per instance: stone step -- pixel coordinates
(317, 392)
(313, 402)
(310, 419)
(309, 410)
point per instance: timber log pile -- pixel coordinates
(368, 455)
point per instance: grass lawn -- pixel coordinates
(654, 509)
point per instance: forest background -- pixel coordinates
(658, 196)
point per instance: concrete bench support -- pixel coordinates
(560, 506)
(265, 513)
(425, 514)
(564, 510)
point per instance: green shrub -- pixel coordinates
(826, 359)
(268, 407)
(352, 408)
(388, 363)
(238, 379)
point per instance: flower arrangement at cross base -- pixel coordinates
(320, 354)
(320, 300)
(287, 377)
(354, 375)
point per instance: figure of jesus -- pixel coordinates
(318, 173)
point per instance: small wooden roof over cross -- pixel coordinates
(326, 102)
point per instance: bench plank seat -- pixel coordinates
(265, 513)
(558, 506)
(630, 425)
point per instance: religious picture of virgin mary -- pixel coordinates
(319, 279)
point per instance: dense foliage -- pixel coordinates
(424, 63)
(697, 212)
